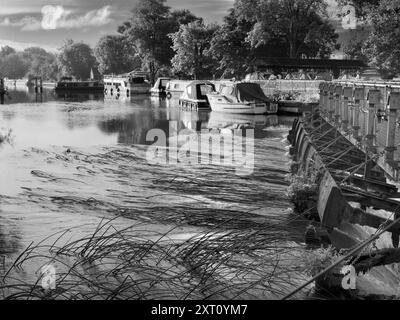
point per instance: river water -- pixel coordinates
(70, 163)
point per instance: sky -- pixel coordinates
(47, 23)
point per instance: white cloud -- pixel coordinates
(57, 17)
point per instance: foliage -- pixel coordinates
(301, 188)
(13, 66)
(147, 30)
(6, 50)
(317, 260)
(233, 55)
(76, 59)
(355, 50)
(299, 25)
(41, 63)
(191, 43)
(382, 47)
(115, 55)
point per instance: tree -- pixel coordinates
(114, 54)
(6, 50)
(13, 66)
(382, 47)
(298, 24)
(233, 55)
(354, 49)
(76, 59)
(191, 44)
(147, 30)
(41, 63)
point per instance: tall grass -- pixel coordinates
(120, 264)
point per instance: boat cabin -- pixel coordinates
(176, 87)
(194, 96)
(67, 84)
(135, 82)
(159, 88)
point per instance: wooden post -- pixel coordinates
(338, 95)
(374, 97)
(358, 96)
(347, 95)
(394, 105)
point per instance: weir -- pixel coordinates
(347, 147)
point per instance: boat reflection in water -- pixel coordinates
(241, 121)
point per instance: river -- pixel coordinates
(72, 163)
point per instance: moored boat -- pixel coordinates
(195, 95)
(127, 84)
(241, 98)
(176, 87)
(67, 84)
(159, 88)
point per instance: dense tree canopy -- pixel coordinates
(382, 46)
(148, 29)
(300, 25)
(76, 59)
(191, 44)
(232, 54)
(13, 66)
(115, 55)
(41, 63)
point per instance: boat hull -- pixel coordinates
(219, 104)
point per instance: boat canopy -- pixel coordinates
(244, 92)
(161, 83)
(198, 90)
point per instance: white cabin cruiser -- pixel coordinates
(242, 98)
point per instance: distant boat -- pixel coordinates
(194, 96)
(67, 84)
(127, 84)
(241, 98)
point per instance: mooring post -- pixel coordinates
(358, 97)
(347, 95)
(390, 148)
(374, 97)
(338, 95)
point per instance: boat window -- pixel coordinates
(176, 86)
(164, 82)
(189, 90)
(205, 89)
(227, 90)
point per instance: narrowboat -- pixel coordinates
(194, 96)
(67, 84)
(159, 88)
(242, 98)
(135, 82)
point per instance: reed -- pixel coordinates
(121, 264)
